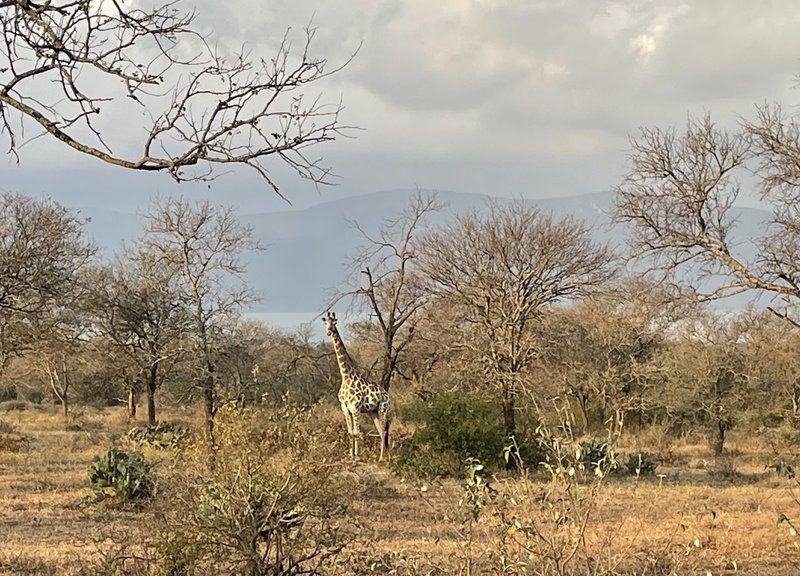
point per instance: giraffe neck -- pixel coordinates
(346, 366)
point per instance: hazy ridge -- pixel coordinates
(307, 249)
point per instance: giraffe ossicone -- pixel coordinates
(357, 395)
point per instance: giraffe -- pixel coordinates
(357, 395)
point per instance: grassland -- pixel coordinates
(699, 517)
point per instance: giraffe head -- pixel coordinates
(330, 323)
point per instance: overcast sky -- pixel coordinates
(532, 98)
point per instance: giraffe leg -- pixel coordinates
(356, 434)
(349, 423)
(380, 425)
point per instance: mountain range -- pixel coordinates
(307, 250)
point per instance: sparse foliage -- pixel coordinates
(67, 66)
(504, 268)
(388, 283)
(205, 245)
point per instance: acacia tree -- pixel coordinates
(136, 303)
(65, 63)
(707, 374)
(600, 355)
(502, 268)
(205, 245)
(388, 284)
(679, 196)
(774, 367)
(42, 251)
(58, 352)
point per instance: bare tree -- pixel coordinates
(60, 61)
(62, 331)
(388, 284)
(679, 196)
(204, 244)
(706, 374)
(42, 251)
(504, 268)
(599, 351)
(136, 302)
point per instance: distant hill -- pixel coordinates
(307, 249)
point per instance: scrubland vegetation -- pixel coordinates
(551, 414)
(561, 407)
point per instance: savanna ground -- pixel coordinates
(697, 517)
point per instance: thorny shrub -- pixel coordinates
(641, 464)
(267, 507)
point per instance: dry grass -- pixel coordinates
(690, 521)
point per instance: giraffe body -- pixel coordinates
(357, 395)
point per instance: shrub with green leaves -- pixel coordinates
(162, 436)
(8, 392)
(126, 475)
(596, 454)
(452, 427)
(641, 464)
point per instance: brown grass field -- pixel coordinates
(690, 521)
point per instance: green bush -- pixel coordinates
(596, 454)
(162, 435)
(35, 396)
(13, 405)
(642, 464)
(8, 392)
(452, 427)
(127, 475)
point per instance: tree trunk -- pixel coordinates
(387, 367)
(509, 412)
(152, 383)
(718, 443)
(509, 422)
(210, 413)
(131, 404)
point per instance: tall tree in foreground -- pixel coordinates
(65, 64)
(679, 196)
(503, 267)
(205, 245)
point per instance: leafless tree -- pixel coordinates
(205, 245)
(63, 61)
(599, 352)
(387, 283)
(61, 332)
(42, 250)
(706, 374)
(503, 268)
(136, 302)
(679, 196)
(57, 352)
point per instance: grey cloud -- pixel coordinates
(510, 96)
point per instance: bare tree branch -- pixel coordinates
(206, 110)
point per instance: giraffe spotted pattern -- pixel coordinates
(357, 395)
